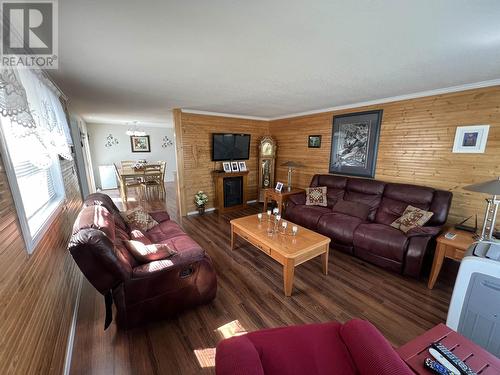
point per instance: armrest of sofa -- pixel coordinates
(160, 216)
(298, 198)
(237, 355)
(418, 242)
(370, 351)
(423, 232)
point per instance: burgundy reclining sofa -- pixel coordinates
(372, 238)
(153, 290)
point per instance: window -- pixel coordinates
(38, 190)
(33, 134)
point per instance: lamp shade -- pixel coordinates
(489, 187)
(291, 164)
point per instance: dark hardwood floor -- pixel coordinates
(250, 297)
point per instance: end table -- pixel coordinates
(453, 249)
(280, 198)
(477, 358)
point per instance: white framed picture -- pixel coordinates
(279, 186)
(471, 139)
(234, 166)
(243, 166)
(226, 166)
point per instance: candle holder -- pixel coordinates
(295, 230)
(259, 217)
(277, 219)
(284, 225)
(268, 215)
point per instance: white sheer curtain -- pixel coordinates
(37, 118)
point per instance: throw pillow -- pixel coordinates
(316, 196)
(355, 209)
(412, 217)
(148, 253)
(138, 218)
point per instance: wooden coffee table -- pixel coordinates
(288, 250)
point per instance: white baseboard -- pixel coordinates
(213, 208)
(72, 330)
(196, 212)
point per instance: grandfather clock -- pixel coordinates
(267, 161)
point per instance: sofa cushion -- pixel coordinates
(338, 226)
(335, 186)
(139, 235)
(307, 216)
(356, 209)
(365, 191)
(148, 253)
(382, 240)
(412, 217)
(398, 196)
(311, 349)
(316, 196)
(164, 231)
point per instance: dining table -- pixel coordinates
(127, 174)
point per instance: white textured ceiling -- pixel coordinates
(123, 60)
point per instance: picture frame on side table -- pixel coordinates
(243, 166)
(140, 143)
(234, 166)
(471, 139)
(354, 146)
(226, 166)
(279, 187)
(314, 141)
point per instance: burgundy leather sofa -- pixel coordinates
(144, 292)
(355, 347)
(373, 239)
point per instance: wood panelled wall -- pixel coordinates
(415, 146)
(194, 153)
(37, 292)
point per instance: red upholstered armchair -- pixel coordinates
(355, 347)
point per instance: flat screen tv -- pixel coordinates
(230, 146)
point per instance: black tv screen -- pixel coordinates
(230, 146)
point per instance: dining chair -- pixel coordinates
(128, 182)
(154, 175)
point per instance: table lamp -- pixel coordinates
(290, 165)
(489, 187)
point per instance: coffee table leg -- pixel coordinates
(324, 260)
(288, 271)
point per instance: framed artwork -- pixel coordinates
(279, 186)
(354, 146)
(140, 143)
(234, 166)
(226, 166)
(471, 139)
(314, 141)
(243, 166)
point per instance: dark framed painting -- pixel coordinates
(354, 147)
(140, 143)
(314, 141)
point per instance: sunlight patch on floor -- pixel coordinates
(234, 328)
(205, 357)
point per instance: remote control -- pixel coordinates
(443, 361)
(455, 361)
(436, 368)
